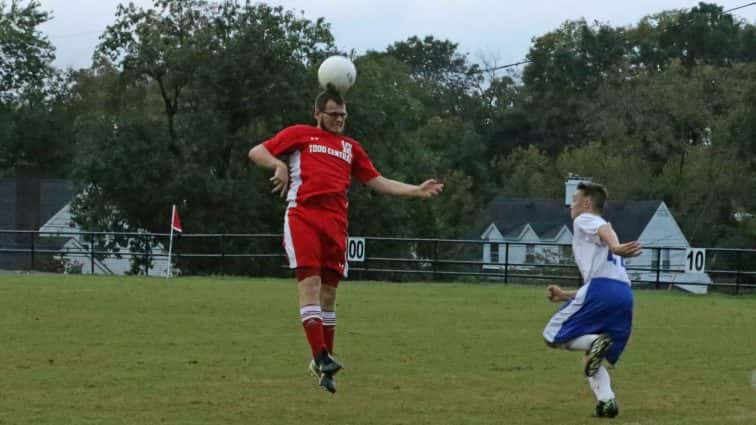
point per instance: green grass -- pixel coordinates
(96, 350)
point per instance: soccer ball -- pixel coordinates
(337, 71)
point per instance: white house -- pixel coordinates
(524, 223)
(75, 248)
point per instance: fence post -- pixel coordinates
(658, 266)
(737, 273)
(506, 262)
(435, 258)
(32, 251)
(91, 256)
(365, 265)
(223, 253)
(146, 255)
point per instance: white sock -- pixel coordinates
(601, 385)
(329, 318)
(581, 343)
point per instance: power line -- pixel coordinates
(740, 7)
(497, 68)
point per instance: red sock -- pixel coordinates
(313, 327)
(329, 328)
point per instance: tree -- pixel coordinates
(435, 60)
(566, 67)
(192, 86)
(702, 35)
(25, 54)
(528, 173)
(34, 122)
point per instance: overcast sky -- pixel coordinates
(498, 30)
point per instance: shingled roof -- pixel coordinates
(546, 216)
(54, 194)
(26, 204)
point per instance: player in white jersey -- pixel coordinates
(597, 318)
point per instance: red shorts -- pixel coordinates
(315, 238)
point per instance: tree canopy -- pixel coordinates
(179, 92)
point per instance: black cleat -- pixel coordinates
(326, 364)
(325, 380)
(323, 367)
(607, 409)
(314, 369)
(595, 354)
(328, 383)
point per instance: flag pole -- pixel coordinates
(170, 244)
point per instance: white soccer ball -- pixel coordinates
(337, 71)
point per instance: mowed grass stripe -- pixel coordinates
(127, 350)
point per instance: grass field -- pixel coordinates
(109, 350)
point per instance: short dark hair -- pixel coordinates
(596, 192)
(325, 96)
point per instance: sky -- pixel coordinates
(493, 32)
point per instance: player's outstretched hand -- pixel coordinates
(555, 294)
(280, 180)
(629, 249)
(430, 188)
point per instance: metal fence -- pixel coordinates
(385, 258)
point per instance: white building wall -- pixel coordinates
(81, 263)
(663, 232)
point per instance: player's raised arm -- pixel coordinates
(425, 190)
(609, 237)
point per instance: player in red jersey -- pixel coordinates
(321, 164)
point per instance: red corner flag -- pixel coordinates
(175, 221)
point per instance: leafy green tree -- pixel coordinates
(704, 195)
(702, 35)
(502, 121)
(25, 54)
(411, 141)
(621, 168)
(566, 67)
(528, 172)
(436, 61)
(660, 114)
(192, 86)
(35, 125)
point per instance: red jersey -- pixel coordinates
(321, 163)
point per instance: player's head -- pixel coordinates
(589, 197)
(330, 111)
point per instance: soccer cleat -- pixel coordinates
(314, 369)
(326, 364)
(596, 354)
(323, 367)
(607, 409)
(325, 380)
(328, 383)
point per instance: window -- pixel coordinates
(530, 254)
(494, 253)
(664, 255)
(565, 255)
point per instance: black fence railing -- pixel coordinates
(382, 258)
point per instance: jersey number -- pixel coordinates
(617, 261)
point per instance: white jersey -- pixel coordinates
(592, 256)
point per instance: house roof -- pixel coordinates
(54, 194)
(546, 216)
(630, 218)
